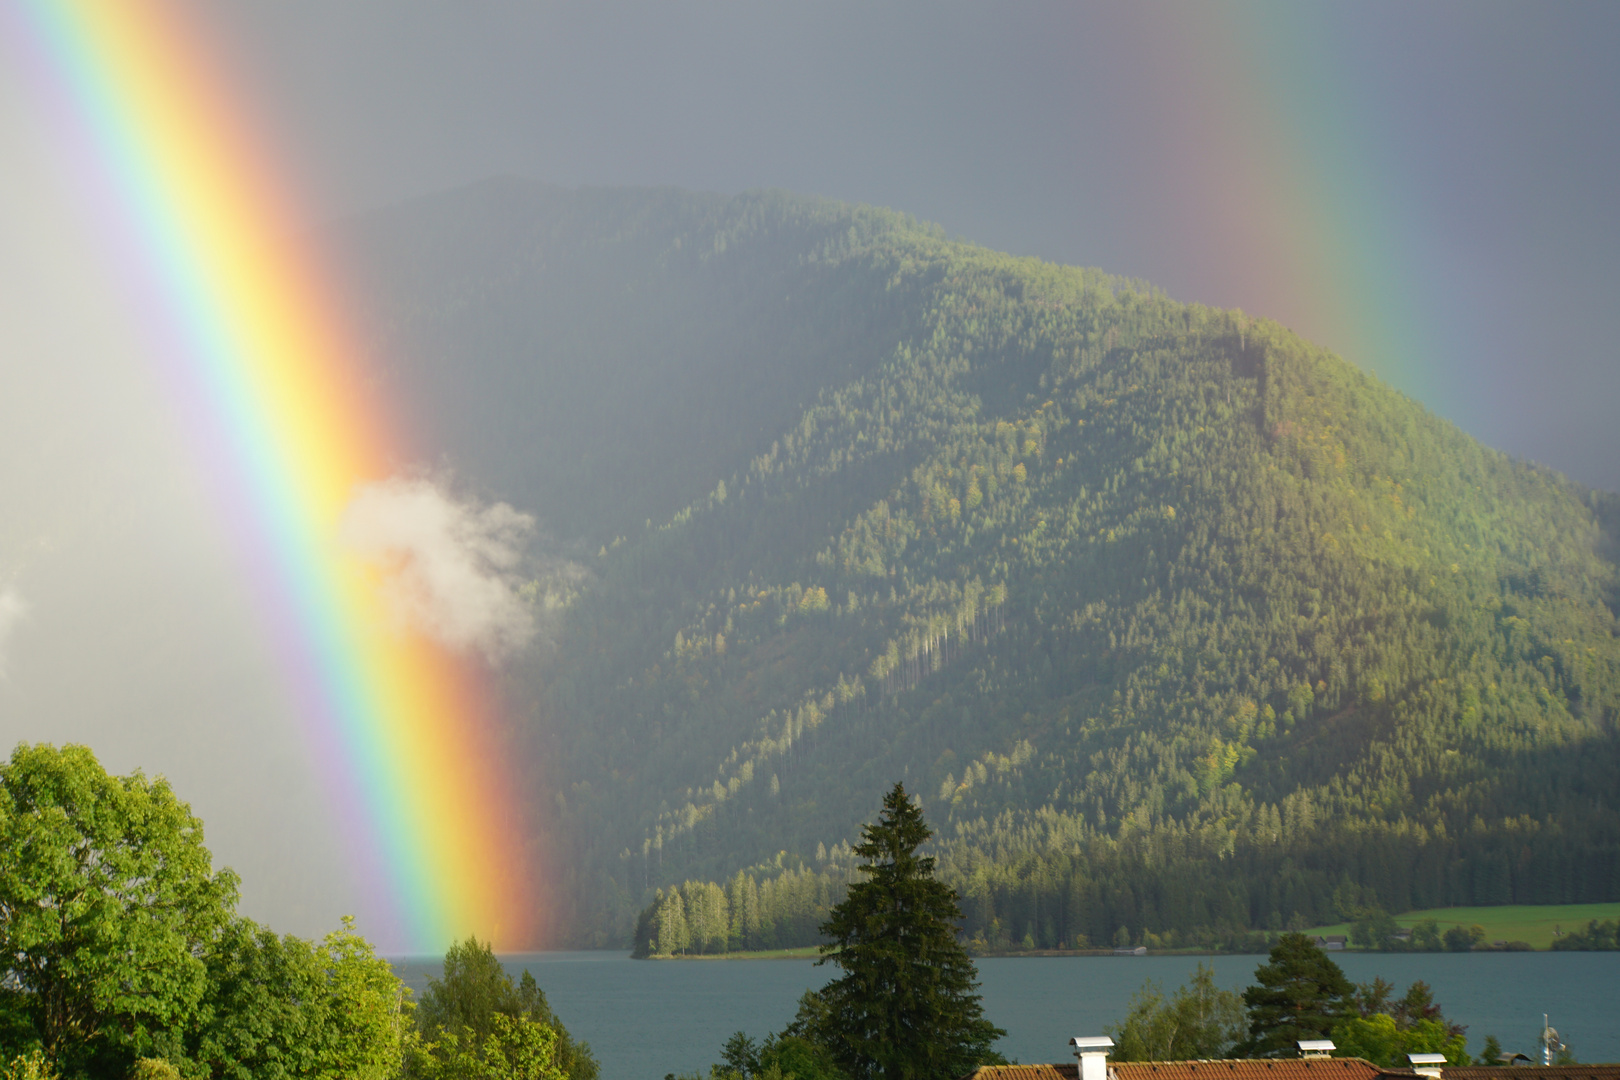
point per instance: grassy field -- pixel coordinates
(1514, 922)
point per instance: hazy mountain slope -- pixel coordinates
(1173, 620)
(602, 355)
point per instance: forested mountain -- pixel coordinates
(1176, 622)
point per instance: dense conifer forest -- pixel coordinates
(1183, 626)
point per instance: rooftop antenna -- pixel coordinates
(1549, 1041)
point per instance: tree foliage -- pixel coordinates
(365, 1003)
(124, 955)
(1380, 1040)
(906, 1006)
(1299, 994)
(1199, 1020)
(1374, 928)
(108, 904)
(513, 1048)
(281, 1007)
(1384, 1029)
(30, 1066)
(475, 1013)
(1595, 936)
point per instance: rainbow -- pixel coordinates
(1281, 182)
(277, 390)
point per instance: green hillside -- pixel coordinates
(1175, 622)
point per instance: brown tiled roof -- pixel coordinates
(1235, 1069)
(1291, 1069)
(1517, 1072)
(1246, 1069)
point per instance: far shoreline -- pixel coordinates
(1535, 925)
(811, 953)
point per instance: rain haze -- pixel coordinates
(1428, 190)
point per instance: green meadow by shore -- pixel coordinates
(1531, 923)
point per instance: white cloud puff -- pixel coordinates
(448, 564)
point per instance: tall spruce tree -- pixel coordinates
(1301, 995)
(907, 1006)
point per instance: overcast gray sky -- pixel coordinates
(1471, 148)
(1430, 188)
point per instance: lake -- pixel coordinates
(647, 1018)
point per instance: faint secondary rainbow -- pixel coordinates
(1282, 183)
(254, 342)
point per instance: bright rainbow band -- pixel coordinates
(252, 332)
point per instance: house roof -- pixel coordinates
(1519, 1072)
(1291, 1069)
(1246, 1069)
(1236, 1069)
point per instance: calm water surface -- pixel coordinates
(647, 1018)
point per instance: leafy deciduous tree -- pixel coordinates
(1374, 928)
(515, 1048)
(1463, 938)
(1381, 1040)
(1384, 1029)
(1200, 1020)
(367, 1009)
(108, 901)
(30, 1066)
(476, 1009)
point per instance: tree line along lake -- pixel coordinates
(644, 1019)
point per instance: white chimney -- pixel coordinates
(1427, 1064)
(1092, 1050)
(1316, 1048)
